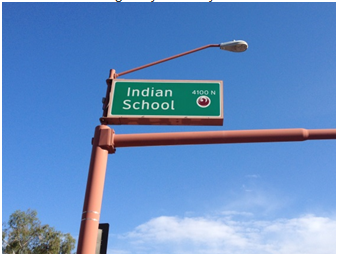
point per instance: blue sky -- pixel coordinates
(229, 198)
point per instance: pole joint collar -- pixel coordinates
(105, 139)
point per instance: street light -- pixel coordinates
(233, 46)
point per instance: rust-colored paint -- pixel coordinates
(213, 137)
(164, 60)
(102, 146)
(105, 142)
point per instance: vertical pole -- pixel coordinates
(102, 146)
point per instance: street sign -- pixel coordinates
(165, 102)
(102, 238)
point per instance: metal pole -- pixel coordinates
(102, 146)
(105, 141)
(213, 137)
(167, 59)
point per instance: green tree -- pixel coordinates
(25, 234)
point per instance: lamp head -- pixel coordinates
(234, 46)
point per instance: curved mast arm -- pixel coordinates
(165, 59)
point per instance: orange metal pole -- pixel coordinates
(102, 146)
(212, 137)
(105, 141)
(167, 59)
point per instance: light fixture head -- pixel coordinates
(234, 46)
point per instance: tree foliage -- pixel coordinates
(25, 234)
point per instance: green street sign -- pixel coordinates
(165, 102)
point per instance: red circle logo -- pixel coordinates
(203, 101)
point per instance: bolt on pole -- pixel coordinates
(102, 146)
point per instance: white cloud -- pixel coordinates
(221, 234)
(253, 176)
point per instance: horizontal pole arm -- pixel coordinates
(167, 59)
(217, 137)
